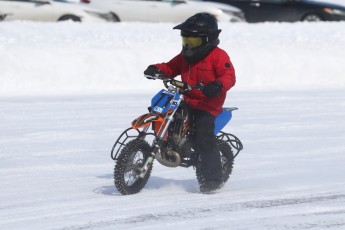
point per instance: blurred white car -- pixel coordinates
(47, 10)
(166, 10)
(74, 1)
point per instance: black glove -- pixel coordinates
(152, 72)
(212, 89)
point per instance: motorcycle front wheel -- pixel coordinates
(227, 161)
(127, 168)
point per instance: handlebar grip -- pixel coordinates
(179, 84)
(184, 87)
(150, 77)
(156, 76)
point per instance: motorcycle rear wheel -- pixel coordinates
(126, 172)
(227, 161)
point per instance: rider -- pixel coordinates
(202, 61)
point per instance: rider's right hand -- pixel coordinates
(152, 72)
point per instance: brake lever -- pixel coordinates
(199, 86)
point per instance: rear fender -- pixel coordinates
(223, 118)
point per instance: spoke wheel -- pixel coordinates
(127, 168)
(312, 18)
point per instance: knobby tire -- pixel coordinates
(227, 159)
(126, 174)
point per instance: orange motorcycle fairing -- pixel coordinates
(145, 120)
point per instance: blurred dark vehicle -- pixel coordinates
(288, 10)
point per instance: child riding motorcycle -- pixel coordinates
(201, 61)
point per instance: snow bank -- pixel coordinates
(70, 58)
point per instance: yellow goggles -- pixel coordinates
(191, 42)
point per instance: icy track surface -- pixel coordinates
(56, 171)
(67, 91)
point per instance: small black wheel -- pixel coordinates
(227, 160)
(69, 17)
(312, 18)
(126, 173)
(115, 17)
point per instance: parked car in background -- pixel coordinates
(166, 10)
(47, 10)
(288, 10)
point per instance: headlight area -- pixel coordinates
(235, 16)
(217, 14)
(334, 11)
(106, 16)
(222, 16)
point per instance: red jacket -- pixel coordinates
(216, 66)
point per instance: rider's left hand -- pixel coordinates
(212, 89)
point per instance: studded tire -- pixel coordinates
(126, 174)
(227, 159)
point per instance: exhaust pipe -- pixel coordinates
(168, 163)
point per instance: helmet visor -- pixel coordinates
(191, 41)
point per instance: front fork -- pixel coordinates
(143, 170)
(148, 163)
(161, 133)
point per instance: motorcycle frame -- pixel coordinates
(125, 137)
(144, 124)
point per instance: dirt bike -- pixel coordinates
(169, 141)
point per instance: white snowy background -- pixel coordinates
(68, 90)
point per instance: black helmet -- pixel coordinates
(201, 25)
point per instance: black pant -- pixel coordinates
(206, 145)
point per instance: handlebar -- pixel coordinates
(182, 86)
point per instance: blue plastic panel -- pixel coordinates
(161, 102)
(222, 119)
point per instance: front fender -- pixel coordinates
(145, 120)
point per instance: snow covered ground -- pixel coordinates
(68, 90)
